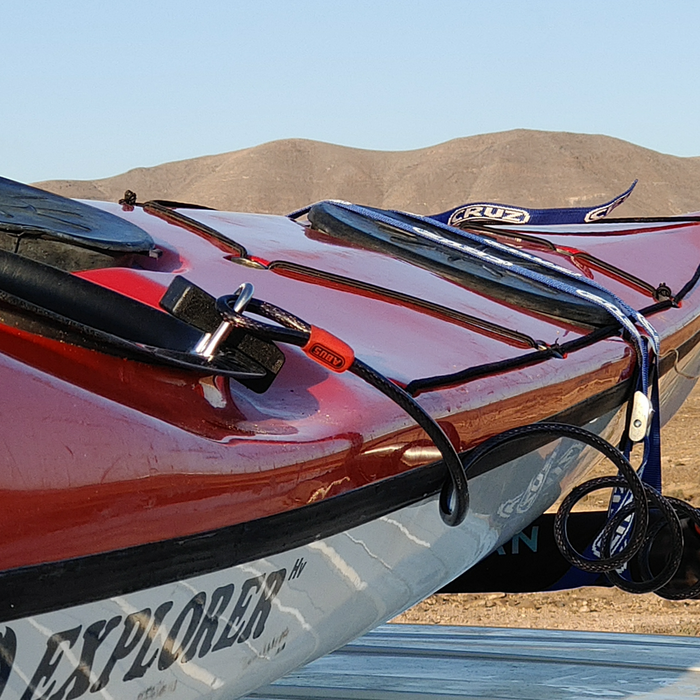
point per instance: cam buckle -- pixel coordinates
(640, 419)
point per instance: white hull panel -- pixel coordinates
(223, 634)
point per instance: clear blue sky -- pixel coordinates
(91, 88)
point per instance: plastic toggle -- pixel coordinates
(641, 417)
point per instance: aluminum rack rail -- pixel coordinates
(426, 662)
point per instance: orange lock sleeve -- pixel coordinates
(329, 351)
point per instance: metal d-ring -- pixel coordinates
(210, 342)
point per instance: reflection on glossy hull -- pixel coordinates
(225, 633)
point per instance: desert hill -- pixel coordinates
(521, 167)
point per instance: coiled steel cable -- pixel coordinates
(636, 525)
(632, 519)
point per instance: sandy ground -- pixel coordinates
(597, 609)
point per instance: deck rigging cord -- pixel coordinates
(628, 533)
(628, 536)
(543, 350)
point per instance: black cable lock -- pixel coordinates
(337, 356)
(652, 514)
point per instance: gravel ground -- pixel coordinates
(595, 609)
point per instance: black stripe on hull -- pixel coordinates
(45, 587)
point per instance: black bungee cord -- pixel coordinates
(637, 524)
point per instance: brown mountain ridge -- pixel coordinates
(520, 167)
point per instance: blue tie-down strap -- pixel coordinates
(507, 214)
(650, 473)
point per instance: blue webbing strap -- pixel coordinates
(649, 470)
(625, 315)
(505, 213)
(646, 346)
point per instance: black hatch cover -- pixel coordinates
(31, 212)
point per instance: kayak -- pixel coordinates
(229, 440)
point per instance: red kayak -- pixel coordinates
(234, 442)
